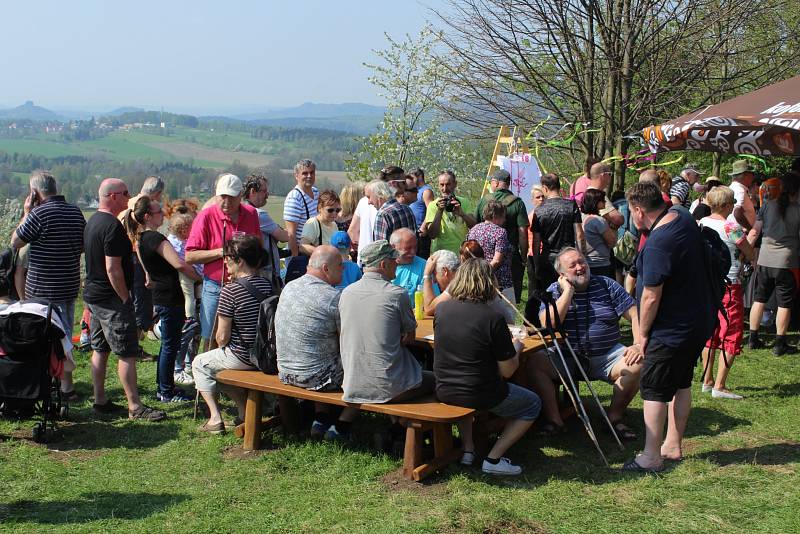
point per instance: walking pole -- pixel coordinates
(572, 391)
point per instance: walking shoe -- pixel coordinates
(722, 394)
(318, 430)
(754, 344)
(177, 395)
(107, 408)
(468, 458)
(145, 413)
(334, 435)
(502, 467)
(218, 428)
(184, 378)
(779, 349)
(706, 388)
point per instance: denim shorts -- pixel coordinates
(520, 403)
(208, 306)
(114, 328)
(599, 366)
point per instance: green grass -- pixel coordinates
(740, 475)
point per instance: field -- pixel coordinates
(740, 474)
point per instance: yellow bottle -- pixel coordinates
(419, 310)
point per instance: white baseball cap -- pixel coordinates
(229, 184)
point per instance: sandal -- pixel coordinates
(145, 413)
(70, 396)
(216, 428)
(632, 466)
(550, 429)
(624, 431)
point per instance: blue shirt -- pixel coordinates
(409, 276)
(592, 321)
(351, 273)
(674, 256)
(419, 206)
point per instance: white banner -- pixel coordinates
(525, 173)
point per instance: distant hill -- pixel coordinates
(124, 109)
(317, 111)
(31, 112)
(356, 124)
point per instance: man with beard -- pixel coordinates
(590, 308)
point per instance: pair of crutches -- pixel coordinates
(555, 326)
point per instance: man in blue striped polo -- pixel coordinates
(590, 308)
(54, 230)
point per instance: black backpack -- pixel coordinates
(717, 261)
(263, 353)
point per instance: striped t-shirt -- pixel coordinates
(595, 330)
(680, 189)
(54, 230)
(236, 302)
(298, 211)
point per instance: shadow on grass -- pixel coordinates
(710, 422)
(773, 454)
(114, 434)
(775, 390)
(89, 507)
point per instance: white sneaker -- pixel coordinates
(503, 467)
(183, 378)
(468, 458)
(706, 388)
(719, 394)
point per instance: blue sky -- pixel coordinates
(196, 56)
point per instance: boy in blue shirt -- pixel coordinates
(351, 272)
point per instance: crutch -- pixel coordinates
(548, 298)
(572, 391)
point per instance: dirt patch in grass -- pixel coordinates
(497, 526)
(77, 455)
(433, 486)
(236, 452)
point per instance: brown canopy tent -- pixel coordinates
(765, 122)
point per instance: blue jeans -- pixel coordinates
(189, 344)
(171, 325)
(142, 297)
(208, 306)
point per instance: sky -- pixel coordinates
(197, 56)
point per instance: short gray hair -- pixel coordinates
(43, 182)
(446, 259)
(565, 250)
(380, 189)
(398, 235)
(152, 184)
(304, 164)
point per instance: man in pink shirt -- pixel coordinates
(214, 225)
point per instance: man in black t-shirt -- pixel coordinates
(109, 276)
(556, 224)
(676, 317)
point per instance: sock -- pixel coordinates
(493, 461)
(323, 417)
(753, 335)
(343, 427)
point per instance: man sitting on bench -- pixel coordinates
(377, 323)
(590, 307)
(307, 337)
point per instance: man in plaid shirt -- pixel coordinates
(391, 213)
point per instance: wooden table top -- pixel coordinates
(425, 328)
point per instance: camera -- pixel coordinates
(449, 203)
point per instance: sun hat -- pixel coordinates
(740, 166)
(693, 168)
(229, 184)
(376, 252)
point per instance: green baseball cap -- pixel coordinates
(376, 252)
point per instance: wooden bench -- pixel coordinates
(418, 416)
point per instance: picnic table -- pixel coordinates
(424, 336)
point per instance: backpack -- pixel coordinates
(263, 353)
(8, 266)
(717, 263)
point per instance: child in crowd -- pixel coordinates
(350, 271)
(179, 226)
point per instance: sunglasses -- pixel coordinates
(333, 210)
(123, 193)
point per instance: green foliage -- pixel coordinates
(10, 215)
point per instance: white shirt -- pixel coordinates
(366, 213)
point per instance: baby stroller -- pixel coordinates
(32, 356)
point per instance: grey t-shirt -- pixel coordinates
(781, 243)
(307, 334)
(374, 314)
(598, 254)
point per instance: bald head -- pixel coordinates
(404, 241)
(600, 175)
(113, 195)
(326, 264)
(650, 175)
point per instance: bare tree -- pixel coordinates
(617, 65)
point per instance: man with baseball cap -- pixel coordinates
(377, 324)
(516, 224)
(682, 185)
(744, 212)
(225, 217)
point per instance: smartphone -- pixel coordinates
(34, 197)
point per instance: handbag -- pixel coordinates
(298, 265)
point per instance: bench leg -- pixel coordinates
(289, 414)
(444, 453)
(412, 455)
(252, 421)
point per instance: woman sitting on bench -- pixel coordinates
(237, 320)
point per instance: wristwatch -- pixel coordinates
(426, 277)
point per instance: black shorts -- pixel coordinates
(113, 328)
(781, 280)
(665, 369)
